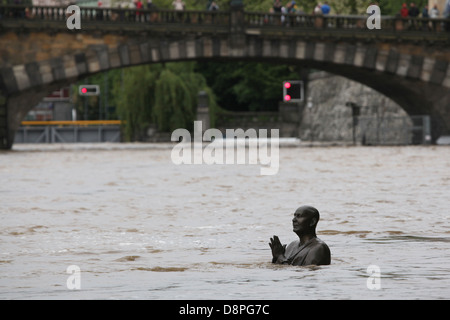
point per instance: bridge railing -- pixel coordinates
(116, 15)
(222, 18)
(343, 22)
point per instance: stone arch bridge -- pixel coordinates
(407, 60)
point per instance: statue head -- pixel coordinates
(305, 220)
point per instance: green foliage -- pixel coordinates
(133, 98)
(161, 94)
(260, 84)
(173, 102)
(165, 95)
(247, 86)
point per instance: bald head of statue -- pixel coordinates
(305, 220)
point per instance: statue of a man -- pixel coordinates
(308, 250)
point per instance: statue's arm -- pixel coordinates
(281, 259)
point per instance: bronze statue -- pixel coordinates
(308, 250)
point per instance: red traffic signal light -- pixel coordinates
(89, 90)
(293, 91)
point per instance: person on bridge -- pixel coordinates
(308, 250)
(413, 10)
(150, 5)
(213, 7)
(292, 7)
(404, 12)
(426, 15)
(425, 12)
(99, 14)
(178, 5)
(317, 10)
(277, 6)
(434, 12)
(138, 5)
(325, 8)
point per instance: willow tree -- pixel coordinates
(134, 98)
(176, 93)
(165, 95)
(196, 82)
(173, 102)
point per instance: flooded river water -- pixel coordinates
(139, 227)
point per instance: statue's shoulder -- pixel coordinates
(321, 253)
(321, 244)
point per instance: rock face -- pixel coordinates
(328, 118)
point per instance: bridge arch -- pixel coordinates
(413, 74)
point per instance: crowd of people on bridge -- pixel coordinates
(292, 7)
(407, 11)
(286, 10)
(411, 10)
(414, 11)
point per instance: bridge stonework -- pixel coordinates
(415, 74)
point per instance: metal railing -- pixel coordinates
(72, 123)
(344, 22)
(222, 18)
(116, 15)
(68, 131)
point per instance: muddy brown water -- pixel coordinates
(140, 227)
